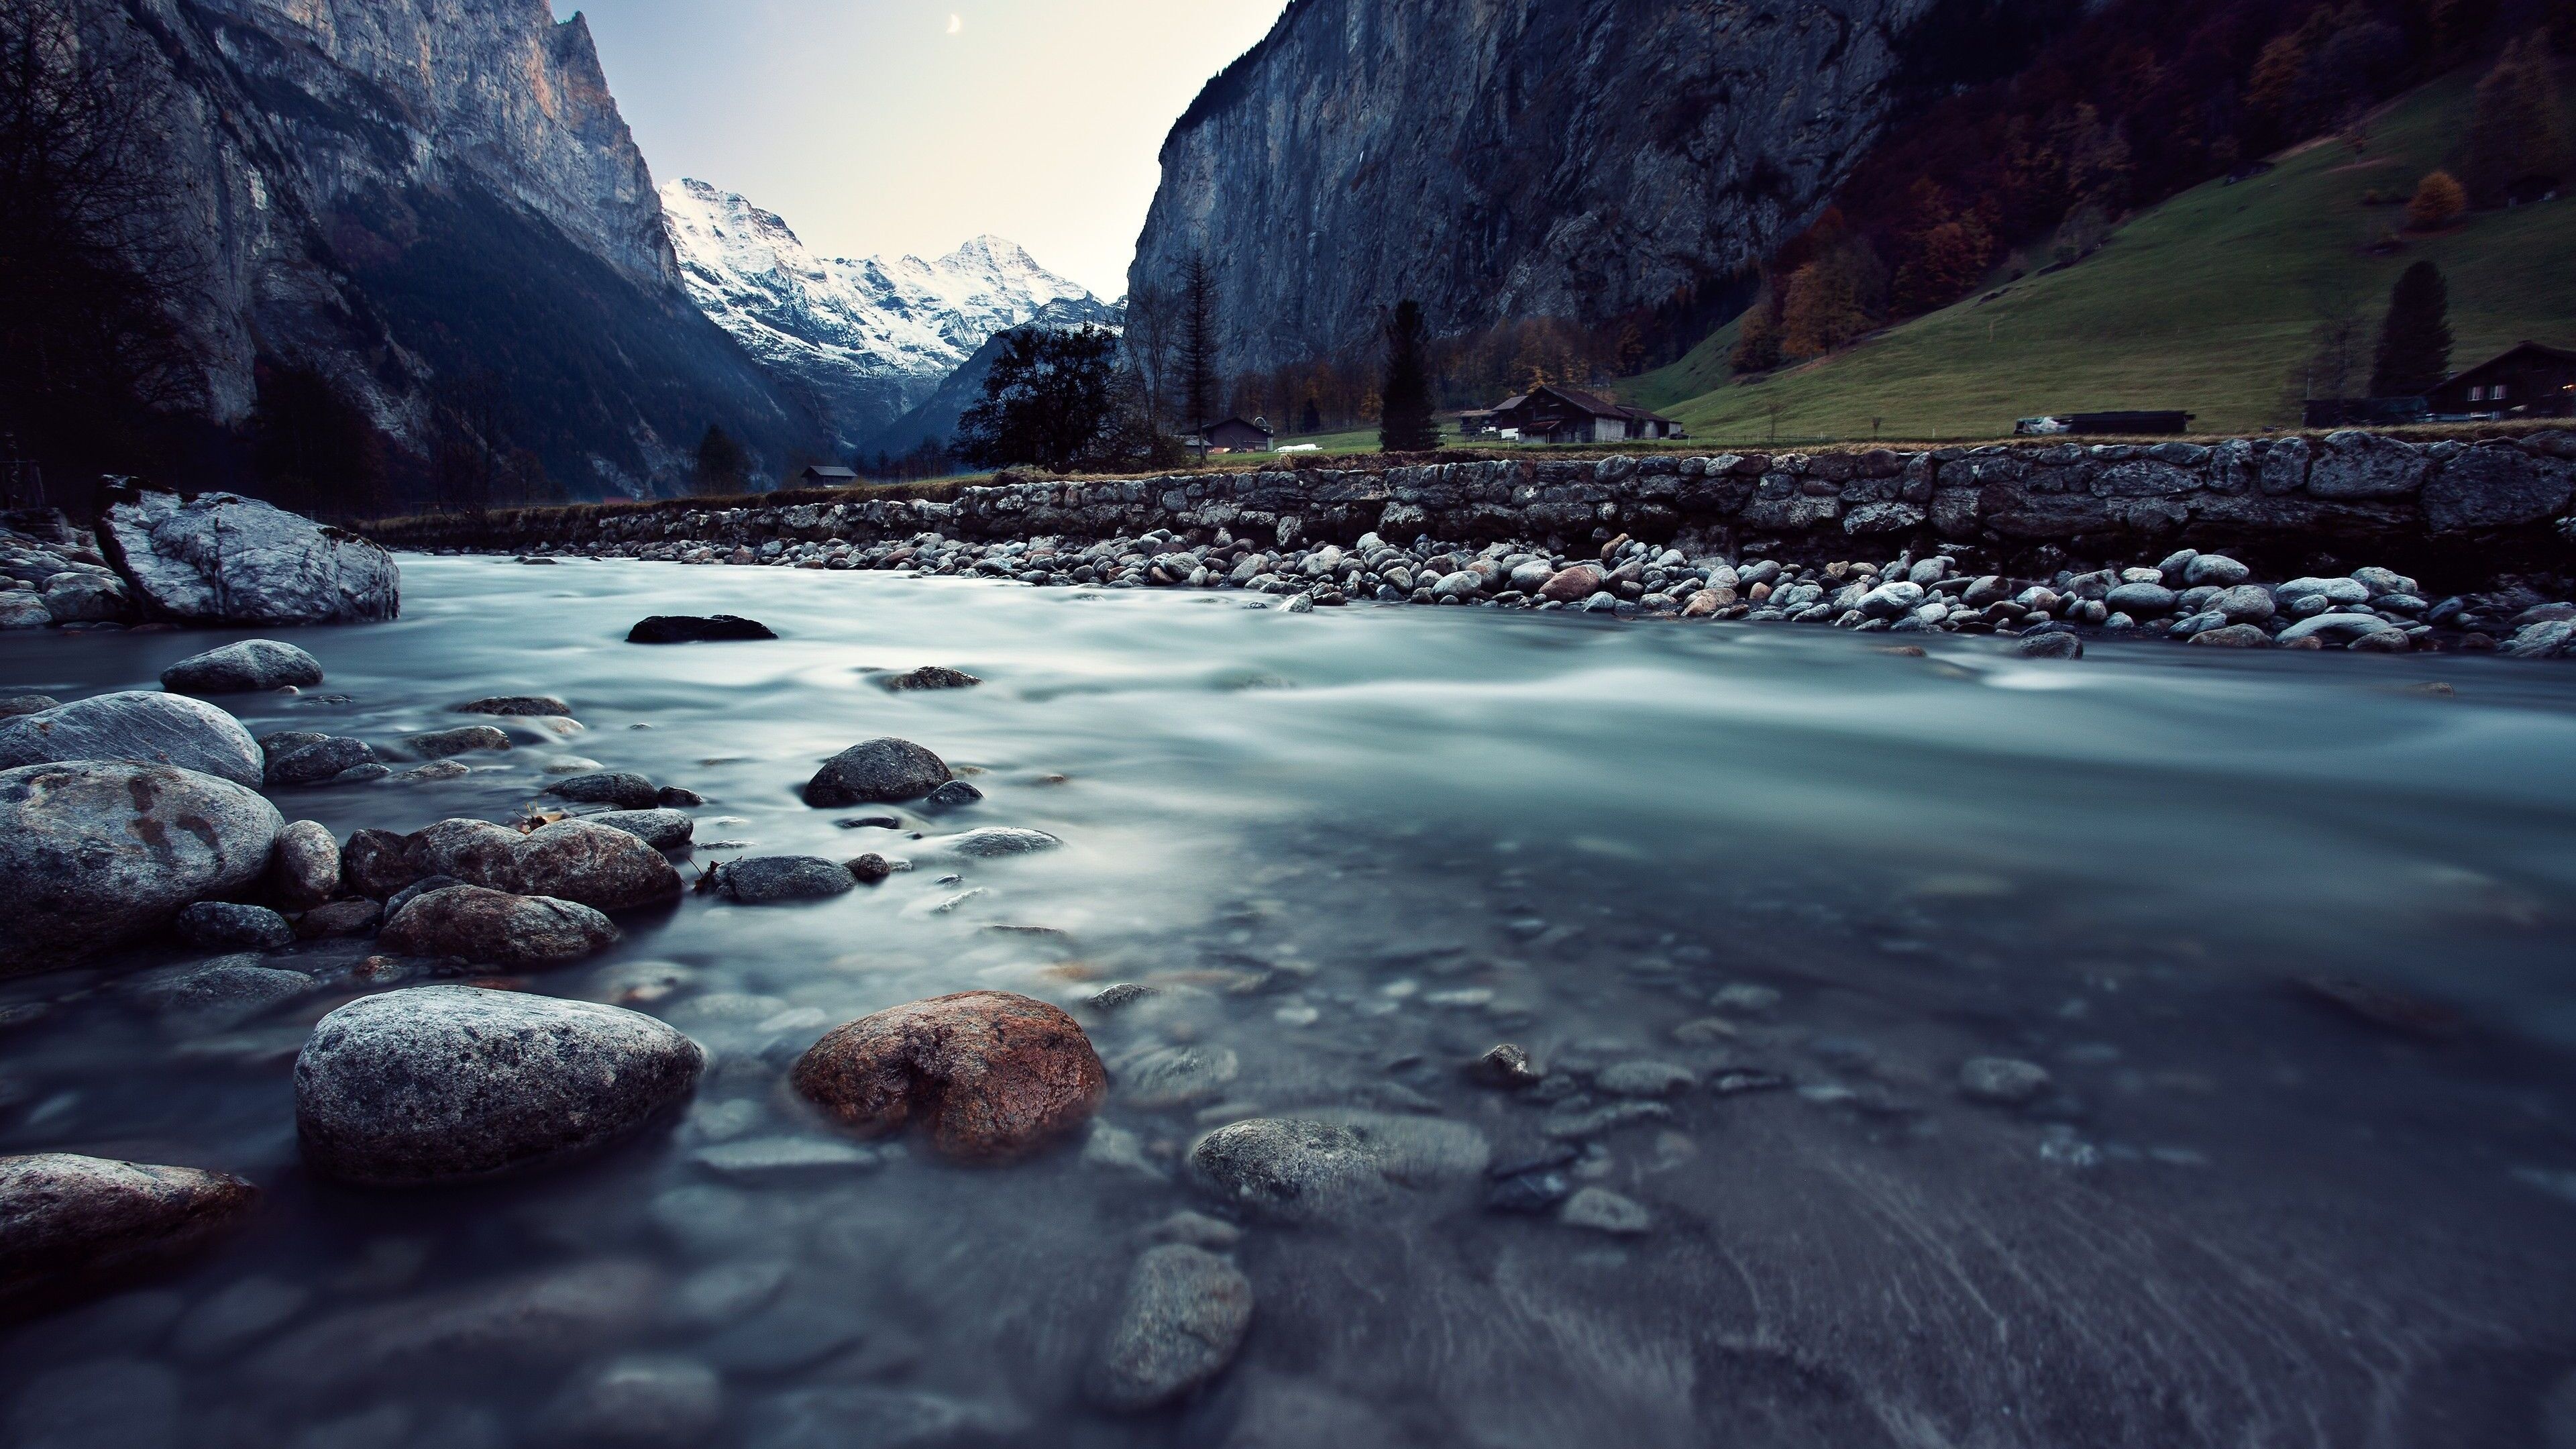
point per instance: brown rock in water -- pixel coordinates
(376, 864)
(990, 1075)
(496, 928)
(69, 1223)
(1574, 585)
(602, 867)
(304, 870)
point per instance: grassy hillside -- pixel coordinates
(2205, 303)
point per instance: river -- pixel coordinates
(1356, 848)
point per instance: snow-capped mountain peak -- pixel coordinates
(871, 338)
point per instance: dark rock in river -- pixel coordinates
(216, 993)
(465, 739)
(769, 879)
(549, 1319)
(496, 928)
(988, 1074)
(625, 790)
(219, 558)
(929, 676)
(226, 926)
(331, 760)
(2053, 645)
(879, 770)
(94, 854)
(163, 729)
(1185, 1315)
(683, 629)
(71, 1224)
(955, 795)
(18, 704)
(476, 852)
(339, 918)
(870, 868)
(304, 871)
(1330, 1166)
(517, 706)
(377, 863)
(243, 668)
(600, 866)
(994, 840)
(661, 829)
(446, 1083)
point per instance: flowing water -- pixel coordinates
(1357, 848)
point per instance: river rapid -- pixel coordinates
(1356, 848)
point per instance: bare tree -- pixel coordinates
(92, 275)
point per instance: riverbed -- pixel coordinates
(1355, 848)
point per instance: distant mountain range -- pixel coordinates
(866, 341)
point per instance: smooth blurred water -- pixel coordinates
(1361, 846)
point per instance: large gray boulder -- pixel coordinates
(873, 771)
(244, 668)
(97, 853)
(68, 1224)
(449, 1083)
(220, 558)
(154, 729)
(600, 866)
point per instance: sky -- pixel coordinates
(888, 126)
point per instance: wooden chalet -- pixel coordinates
(1551, 414)
(2529, 381)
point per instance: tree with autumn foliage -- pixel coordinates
(1757, 334)
(2439, 200)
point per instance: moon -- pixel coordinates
(956, 23)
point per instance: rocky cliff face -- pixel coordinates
(1509, 158)
(405, 194)
(866, 339)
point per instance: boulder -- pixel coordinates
(2057, 644)
(229, 926)
(159, 729)
(219, 558)
(2243, 603)
(94, 854)
(329, 760)
(2233, 636)
(339, 918)
(215, 994)
(768, 879)
(660, 829)
(622, 789)
(71, 1224)
(955, 795)
(378, 863)
(988, 1075)
(1183, 1318)
(465, 739)
(2215, 569)
(1573, 585)
(476, 852)
(596, 865)
(244, 668)
(1332, 1166)
(2335, 628)
(876, 770)
(929, 676)
(450, 1083)
(304, 871)
(17, 704)
(24, 609)
(2141, 600)
(82, 597)
(684, 629)
(996, 840)
(518, 706)
(496, 928)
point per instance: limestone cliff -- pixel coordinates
(406, 193)
(1509, 158)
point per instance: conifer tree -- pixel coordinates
(1405, 420)
(2415, 342)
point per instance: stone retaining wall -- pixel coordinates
(2448, 509)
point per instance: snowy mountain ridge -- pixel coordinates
(867, 340)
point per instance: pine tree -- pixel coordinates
(1199, 351)
(2415, 341)
(1313, 419)
(1757, 338)
(1405, 421)
(722, 467)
